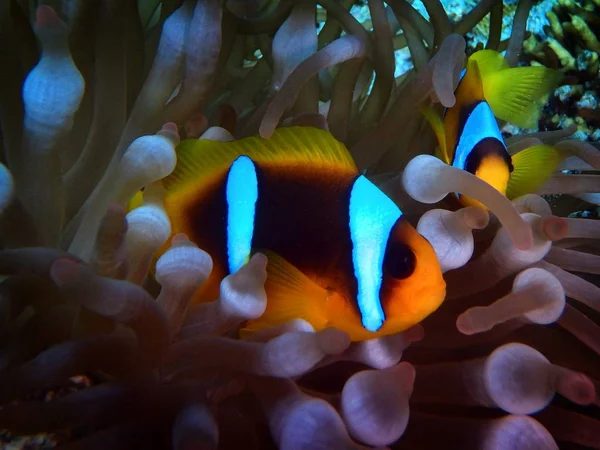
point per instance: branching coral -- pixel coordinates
(83, 291)
(570, 43)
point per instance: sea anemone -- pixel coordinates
(93, 115)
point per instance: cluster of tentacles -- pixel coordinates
(78, 297)
(80, 84)
(173, 374)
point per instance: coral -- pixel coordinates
(101, 111)
(570, 43)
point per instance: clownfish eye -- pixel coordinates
(400, 260)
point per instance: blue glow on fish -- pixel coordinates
(480, 124)
(242, 194)
(372, 216)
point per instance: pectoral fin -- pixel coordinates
(290, 295)
(532, 168)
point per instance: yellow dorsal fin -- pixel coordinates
(470, 89)
(488, 62)
(435, 120)
(517, 95)
(468, 94)
(290, 295)
(200, 159)
(532, 167)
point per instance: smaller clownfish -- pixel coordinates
(340, 253)
(468, 133)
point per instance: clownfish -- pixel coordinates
(340, 253)
(468, 134)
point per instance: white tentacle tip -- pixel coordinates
(554, 228)
(537, 296)
(420, 179)
(243, 293)
(468, 324)
(217, 134)
(475, 218)
(375, 406)
(171, 132)
(150, 158)
(450, 234)
(148, 224)
(550, 291)
(187, 264)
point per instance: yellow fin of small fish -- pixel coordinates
(533, 166)
(435, 120)
(136, 201)
(471, 86)
(200, 159)
(468, 94)
(489, 62)
(517, 95)
(290, 295)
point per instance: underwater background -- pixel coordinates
(101, 345)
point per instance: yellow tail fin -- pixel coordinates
(515, 95)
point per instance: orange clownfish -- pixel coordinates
(468, 133)
(340, 253)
